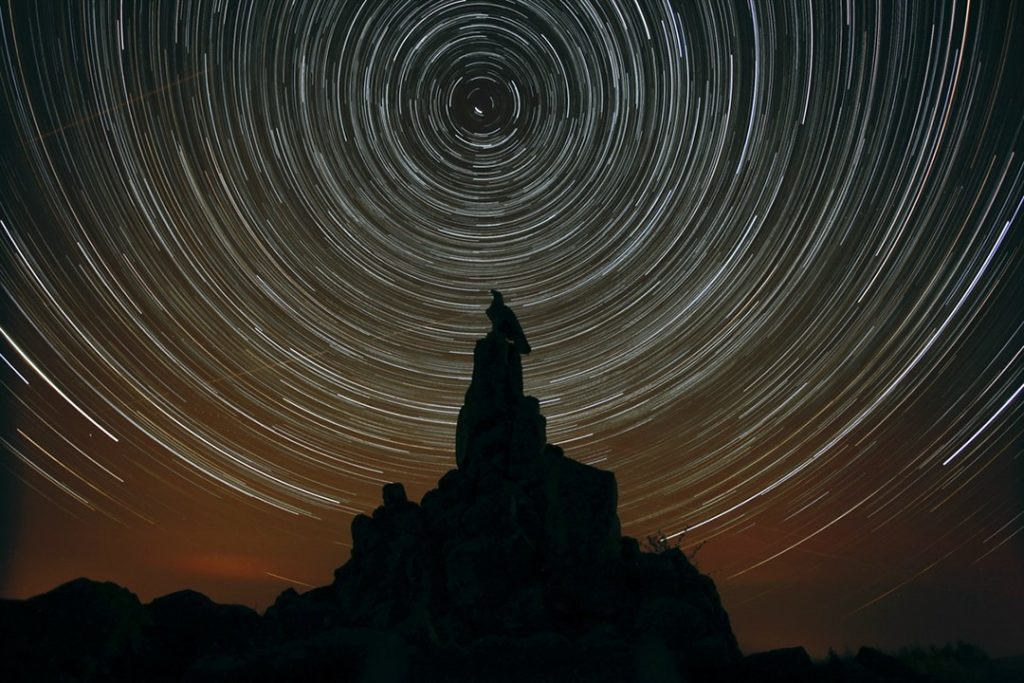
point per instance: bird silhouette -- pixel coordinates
(504, 321)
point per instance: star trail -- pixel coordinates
(768, 256)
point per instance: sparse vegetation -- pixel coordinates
(659, 543)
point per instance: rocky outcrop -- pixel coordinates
(518, 549)
(512, 569)
(82, 630)
(188, 626)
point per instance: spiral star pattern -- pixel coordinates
(768, 256)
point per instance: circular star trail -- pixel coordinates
(768, 256)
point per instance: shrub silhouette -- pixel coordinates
(659, 543)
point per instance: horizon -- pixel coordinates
(769, 259)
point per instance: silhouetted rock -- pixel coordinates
(519, 550)
(513, 568)
(581, 522)
(497, 421)
(188, 625)
(785, 665)
(80, 631)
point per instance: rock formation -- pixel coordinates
(512, 569)
(519, 550)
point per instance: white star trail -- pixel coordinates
(769, 255)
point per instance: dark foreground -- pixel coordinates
(90, 631)
(512, 569)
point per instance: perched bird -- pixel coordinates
(504, 321)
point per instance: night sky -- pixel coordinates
(768, 256)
